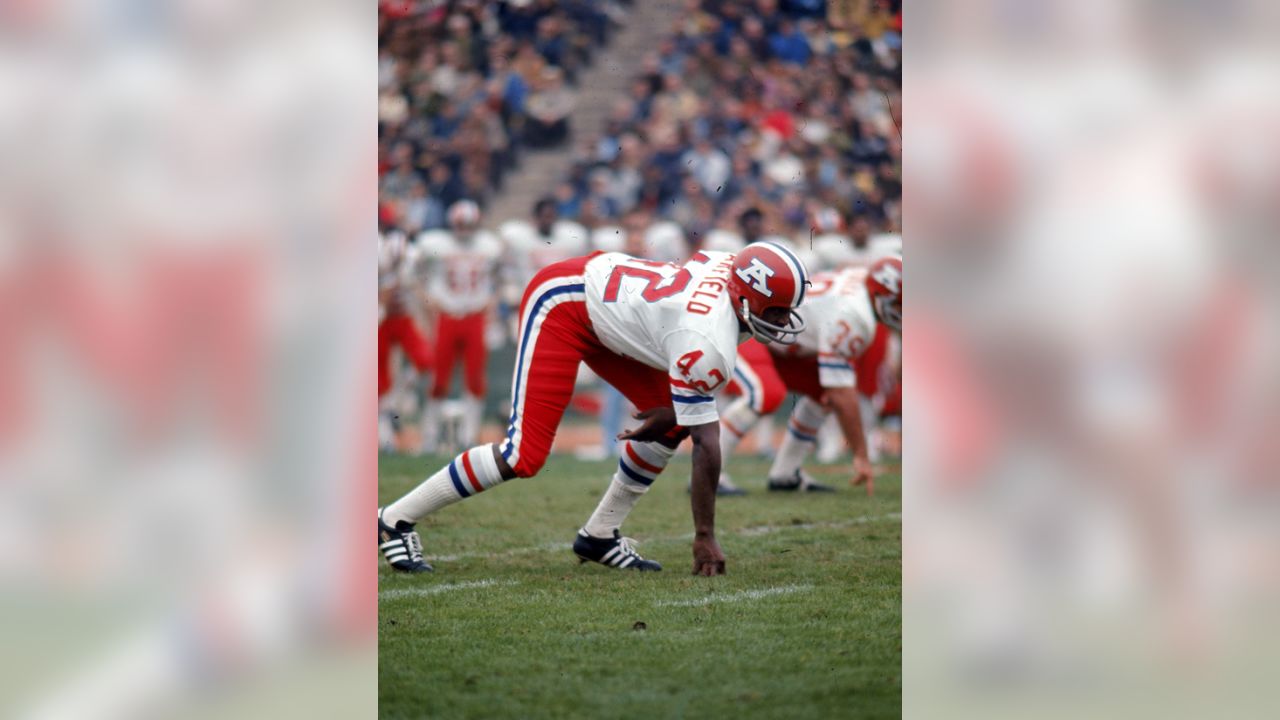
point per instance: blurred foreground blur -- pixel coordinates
(1092, 195)
(186, 200)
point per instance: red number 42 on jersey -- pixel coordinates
(685, 364)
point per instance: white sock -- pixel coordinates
(472, 472)
(736, 420)
(801, 436)
(764, 437)
(472, 410)
(430, 440)
(870, 419)
(386, 432)
(830, 441)
(614, 508)
(639, 466)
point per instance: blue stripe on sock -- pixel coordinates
(622, 465)
(457, 481)
(800, 435)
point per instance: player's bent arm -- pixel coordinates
(707, 557)
(844, 401)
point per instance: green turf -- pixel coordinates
(806, 624)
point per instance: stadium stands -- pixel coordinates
(464, 86)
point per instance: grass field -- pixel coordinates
(806, 623)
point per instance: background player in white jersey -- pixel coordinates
(397, 327)
(843, 316)
(533, 246)
(666, 336)
(461, 273)
(835, 247)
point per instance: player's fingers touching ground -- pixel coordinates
(654, 424)
(708, 568)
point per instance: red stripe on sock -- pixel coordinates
(471, 474)
(635, 458)
(803, 429)
(731, 428)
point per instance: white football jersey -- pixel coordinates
(722, 240)
(608, 238)
(528, 250)
(671, 317)
(392, 248)
(664, 241)
(834, 251)
(459, 273)
(839, 325)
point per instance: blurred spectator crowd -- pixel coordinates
(464, 86)
(789, 107)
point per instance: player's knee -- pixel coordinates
(674, 437)
(504, 468)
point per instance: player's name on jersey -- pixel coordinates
(710, 287)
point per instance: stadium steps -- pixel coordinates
(599, 86)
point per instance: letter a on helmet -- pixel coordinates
(767, 275)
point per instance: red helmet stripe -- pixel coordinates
(797, 270)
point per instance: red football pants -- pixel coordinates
(460, 336)
(399, 329)
(755, 377)
(555, 337)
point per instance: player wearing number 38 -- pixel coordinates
(667, 337)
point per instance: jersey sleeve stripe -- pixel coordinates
(691, 398)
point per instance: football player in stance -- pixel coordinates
(667, 337)
(461, 269)
(846, 317)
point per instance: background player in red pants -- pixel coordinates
(461, 285)
(665, 336)
(396, 328)
(847, 316)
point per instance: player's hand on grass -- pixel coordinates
(864, 474)
(707, 558)
(655, 423)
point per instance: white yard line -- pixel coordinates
(747, 532)
(547, 547)
(437, 589)
(735, 597)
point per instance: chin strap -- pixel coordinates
(886, 315)
(768, 332)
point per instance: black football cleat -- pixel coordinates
(614, 552)
(401, 546)
(801, 481)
